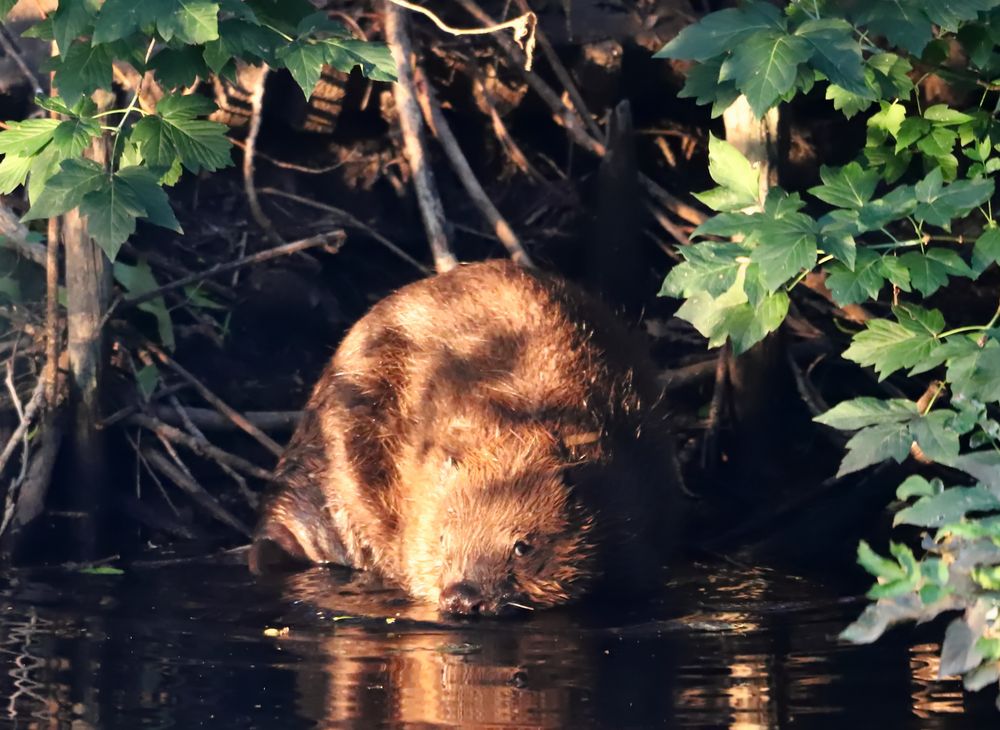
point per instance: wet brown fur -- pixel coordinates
(468, 412)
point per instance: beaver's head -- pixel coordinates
(504, 532)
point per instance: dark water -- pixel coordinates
(188, 646)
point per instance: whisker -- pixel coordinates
(519, 605)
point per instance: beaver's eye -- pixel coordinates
(521, 548)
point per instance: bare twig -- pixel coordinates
(715, 407)
(19, 408)
(203, 449)
(249, 146)
(442, 131)
(15, 235)
(414, 146)
(349, 221)
(228, 411)
(575, 124)
(194, 490)
(524, 27)
(27, 418)
(334, 239)
(514, 150)
(291, 165)
(10, 49)
(807, 391)
(123, 413)
(563, 75)
(50, 375)
(141, 461)
(677, 378)
(29, 500)
(241, 483)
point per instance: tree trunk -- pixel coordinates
(88, 289)
(758, 378)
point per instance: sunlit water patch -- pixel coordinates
(191, 646)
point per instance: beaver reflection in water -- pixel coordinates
(490, 439)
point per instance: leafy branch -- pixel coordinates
(884, 218)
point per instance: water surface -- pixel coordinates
(191, 646)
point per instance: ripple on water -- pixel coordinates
(195, 646)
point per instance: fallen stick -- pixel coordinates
(228, 411)
(414, 147)
(212, 420)
(442, 131)
(241, 482)
(194, 490)
(349, 221)
(203, 449)
(30, 411)
(322, 239)
(574, 123)
(15, 236)
(514, 150)
(11, 50)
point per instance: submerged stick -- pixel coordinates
(442, 131)
(414, 146)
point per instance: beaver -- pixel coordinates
(490, 439)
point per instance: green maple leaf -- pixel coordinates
(709, 267)
(939, 204)
(860, 284)
(27, 138)
(304, 60)
(890, 346)
(785, 246)
(987, 250)
(974, 372)
(155, 204)
(13, 172)
(179, 67)
(111, 212)
(121, 18)
(836, 53)
(862, 412)
(874, 445)
(849, 186)
(73, 136)
(83, 69)
(139, 279)
(191, 21)
(902, 22)
(373, 58)
(176, 132)
(934, 435)
(66, 188)
(765, 67)
(719, 32)
(71, 19)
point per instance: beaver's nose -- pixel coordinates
(462, 598)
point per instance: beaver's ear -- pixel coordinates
(274, 548)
